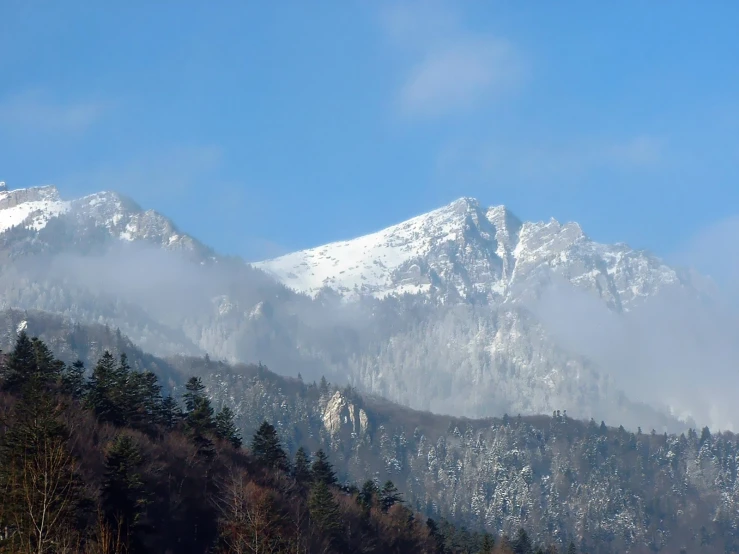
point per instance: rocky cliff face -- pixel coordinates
(464, 251)
(341, 415)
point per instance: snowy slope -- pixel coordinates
(31, 208)
(121, 218)
(366, 264)
(464, 250)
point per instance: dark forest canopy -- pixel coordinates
(107, 464)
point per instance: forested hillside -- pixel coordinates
(603, 488)
(107, 464)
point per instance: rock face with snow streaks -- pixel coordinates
(465, 251)
(118, 217)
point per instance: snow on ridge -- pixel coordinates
(16, 196)
(365, 264)
(31, 208)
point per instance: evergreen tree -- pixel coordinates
(323, 387)
(522, 543)
(436, 535)
(48, 368)
(198, 410)
(21, 363)
(199, 416)
(73, 380)
(324, 510)
(301, 466)
(108, 393)
(572, 549)
(266, 447)
(30, 359)
(123, 492)
(368, 494)
(144, 398)
(322, 469)
(170, 413)
(389, 496)
(226, 429)
(487, 544)
(194, 395)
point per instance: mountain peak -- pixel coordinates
(465, 251)
(30, 208)
(464, 203)
(121, 217)
(39, 192)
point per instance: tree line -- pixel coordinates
(106, 463)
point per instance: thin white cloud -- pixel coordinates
(639, 151)
(548, 161)
(449, 68)
(577, 158)
(714, 251)
(35, 111)
(175, 171)
(459, 77)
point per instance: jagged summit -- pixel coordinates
(122, 219)
(396, 259)
(464, 250)
(31, 208)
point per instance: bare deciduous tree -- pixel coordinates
(249, 520)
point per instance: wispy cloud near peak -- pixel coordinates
(451, 69)
(538, 162)
(459, 76)
(36, 111)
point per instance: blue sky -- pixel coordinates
(263, 127)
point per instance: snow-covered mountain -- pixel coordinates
(109, 212)
(466, 251)
(29, 207)
(439, 312)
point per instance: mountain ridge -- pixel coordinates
(474, 252)
(387, 261)
(459, 331)
(122, 217)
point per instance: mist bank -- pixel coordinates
(674, 348)
(471, 360)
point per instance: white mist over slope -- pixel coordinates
(674, 349)
(466, 310)
(679, 346)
